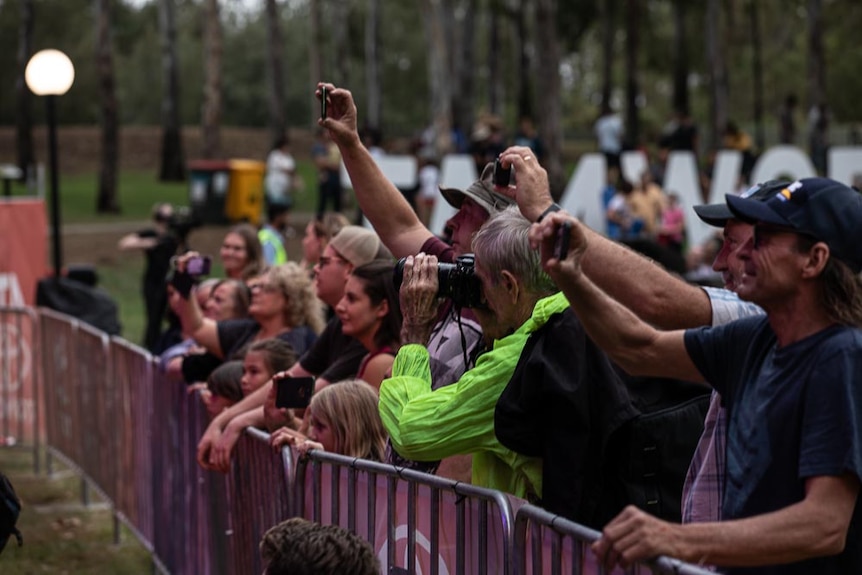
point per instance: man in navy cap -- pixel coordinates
(794, 436)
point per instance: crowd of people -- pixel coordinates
(498, 357)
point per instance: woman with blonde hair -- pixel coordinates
(241, 253)
(342, 418)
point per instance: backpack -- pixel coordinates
(10, 508)
(652, 451)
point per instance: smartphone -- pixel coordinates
(199, 266)
(293, 392)
(561, 245)
(502, 176)
(323, 102)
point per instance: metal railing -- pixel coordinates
(132, 435)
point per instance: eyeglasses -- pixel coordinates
(324, 261)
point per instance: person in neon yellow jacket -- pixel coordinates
(518, 301)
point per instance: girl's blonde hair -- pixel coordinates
(349, 408)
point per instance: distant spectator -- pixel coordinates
(318, 232)
(327, 159)
(736, 139)
(343, 419)
(528, 137)
(159, 245)
(272, 234)
(280, 174)
(818, 135)
(672, 230)
(429, 180)
(299, 547)
(609, 133)
(680, 134)
(619, 212)
(240, 253)
(646, 203)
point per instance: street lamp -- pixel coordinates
(50, 73)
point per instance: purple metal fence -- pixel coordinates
(132, 434)
(20, 415)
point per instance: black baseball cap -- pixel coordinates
(822, 208)
(718, 214)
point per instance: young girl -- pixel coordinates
(223, 387)
(263, 359)
(343, 418)
(370, 312)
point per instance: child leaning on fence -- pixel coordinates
(343, 419)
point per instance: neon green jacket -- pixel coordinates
(427, 425)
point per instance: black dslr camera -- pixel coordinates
(458, 281)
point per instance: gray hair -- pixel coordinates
(503, 243)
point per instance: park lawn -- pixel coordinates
(61, 535)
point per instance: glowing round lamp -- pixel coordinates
(49, 73)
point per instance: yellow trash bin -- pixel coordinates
(245, 193)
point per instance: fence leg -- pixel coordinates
(49, 464)
(117, 533)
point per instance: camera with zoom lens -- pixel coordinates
(457, 281)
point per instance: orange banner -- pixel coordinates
(24, 252)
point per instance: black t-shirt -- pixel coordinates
(334, 356)
(158, 258)
(234, 334)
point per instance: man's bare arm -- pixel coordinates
(385, 207)
(635, 345)
(640, 284)
(816, 526)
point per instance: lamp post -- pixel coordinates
(50, 73)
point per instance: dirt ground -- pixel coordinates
(96, 244)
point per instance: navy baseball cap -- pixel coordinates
(718, 214)
(822, 208)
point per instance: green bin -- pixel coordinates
(209, 182)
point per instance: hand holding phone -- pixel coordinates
(198, 266)
(293, 392)
(561, 245)
(323, 102)
(502, 176)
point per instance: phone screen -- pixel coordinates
(293, 392)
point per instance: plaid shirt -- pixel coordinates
(703, 489)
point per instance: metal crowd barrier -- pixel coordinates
(132, 435)
(20, 407)
(548, 543)
(417, 523)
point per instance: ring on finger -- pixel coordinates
(527, 158)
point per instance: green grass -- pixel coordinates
(60, 535)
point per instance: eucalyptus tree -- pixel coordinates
(632, 49)
(717, 71)
(274, 50)
(23, 117)
(374, 100)
(548, 77)
(172, 157)
(212, 90)
(434, 18)
(106, 199)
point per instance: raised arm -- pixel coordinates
(635, 345)
(637, 282)
(385, 207)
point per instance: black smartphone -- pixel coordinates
(199, 266)
(561, 246)
(293, 392)
(502, 176)
(323, 102)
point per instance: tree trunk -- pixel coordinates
(495, 88)
(757, 72)
(275, 48)
(609, 29)
(438, 75)
(632, 85)
(315, 56)
(548, 57)
(680, 55)
(464, 71)
(173, 159)
(372, 66)
(816, 63)
(23, 117)
(339, 15)
(525, 96)
(717, 67)
(107, 195)
(211, 111)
